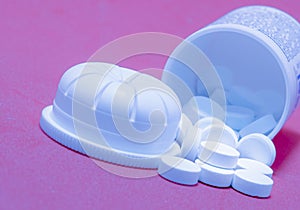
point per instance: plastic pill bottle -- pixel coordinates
(255, 51)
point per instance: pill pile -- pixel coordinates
(222, 140)
(235, 152)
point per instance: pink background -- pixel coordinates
(39, 40)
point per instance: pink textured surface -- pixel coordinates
(39, 41)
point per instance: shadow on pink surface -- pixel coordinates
(286, 142)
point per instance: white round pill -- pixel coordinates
(184, 125)
(237, 117)
(191, 143)
(211, 175)
(263, 125)
(220, 133)
(179, 170)
(258, 147)
(208, 121)
(246, 163)
(218, 154)
(252, 183)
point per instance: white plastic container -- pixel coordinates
(255, 51)
(114, 114)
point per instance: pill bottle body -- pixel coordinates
(254, 50)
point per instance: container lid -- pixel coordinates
(117, 108)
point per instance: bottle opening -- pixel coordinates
(251, 75)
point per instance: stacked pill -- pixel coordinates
(211, 153)
(229, 151)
